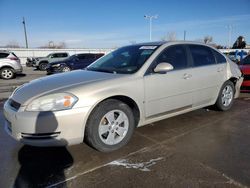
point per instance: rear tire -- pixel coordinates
(7, 73)
(110, 126)
(43, 65)
(226, 96)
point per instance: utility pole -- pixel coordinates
(184, 35)
(25, 33)
(150, 18)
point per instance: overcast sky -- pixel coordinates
(112, 23)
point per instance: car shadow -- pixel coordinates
(43, 166)
(21, 74)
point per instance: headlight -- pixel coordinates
(53, 102)
(55, 65)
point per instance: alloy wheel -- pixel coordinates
(113, 127)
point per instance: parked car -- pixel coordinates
(237, 55)
(31, 60)
(129, 87)
(41, 63)
(245, 68)
(74, 62)
(10, 65)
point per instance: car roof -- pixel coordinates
(160, 43)
(5, 51)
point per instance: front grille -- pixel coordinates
(247, 77)
(40, 136)
(15, 105)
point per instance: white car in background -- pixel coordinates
(10, 65)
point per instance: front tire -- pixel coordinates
(42, 66)
(66, 69)
(110, 126)
(226, 96)
(7, 73)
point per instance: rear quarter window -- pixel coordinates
(219, 57)
(202, 55)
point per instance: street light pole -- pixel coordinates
(25, 33)
(230, 28)
(185, 35)
(150, 18)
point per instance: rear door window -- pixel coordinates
(202, 55)
(3, 55)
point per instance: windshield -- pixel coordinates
(126, 60)
(72, 57)
(48, 55)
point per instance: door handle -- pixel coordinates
(187, 76)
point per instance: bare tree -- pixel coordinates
(51, 44)
(208, 39)
(12, 44)
(61, 45)
(170, 36)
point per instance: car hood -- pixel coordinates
(53, 83)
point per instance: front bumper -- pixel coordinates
(58, 128)
(51, 70)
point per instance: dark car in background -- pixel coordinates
(74, 62)
(245, 69)
(237, 55)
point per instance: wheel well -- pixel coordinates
(43, 62)
(234, 80)
(131, 103)
(6, 66)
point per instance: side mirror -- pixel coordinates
(163, 68)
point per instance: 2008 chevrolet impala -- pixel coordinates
(130, 87)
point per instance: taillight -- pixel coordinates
(13, 58)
